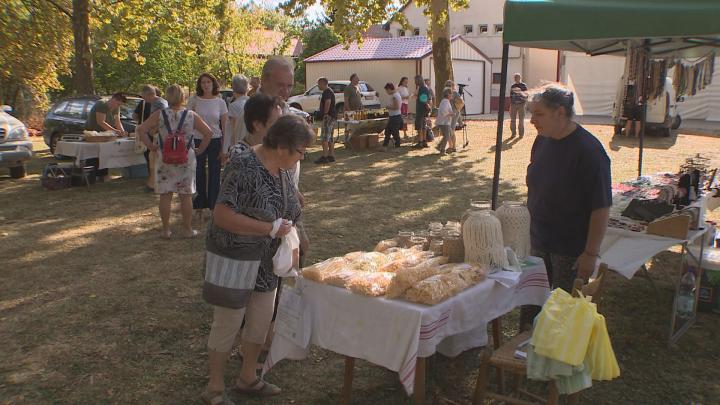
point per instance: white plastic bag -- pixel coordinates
(287, 256)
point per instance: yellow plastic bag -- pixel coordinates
(563, 328)
(600, 356)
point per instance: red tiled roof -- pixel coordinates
(266, 41)
(377, 48)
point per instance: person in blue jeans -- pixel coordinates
(213, 110)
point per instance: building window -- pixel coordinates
(483, 28)
(416, 32)
(401, 33)
(497, 77)
(468, 29)
(498, 28)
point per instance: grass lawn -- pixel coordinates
(95, 308)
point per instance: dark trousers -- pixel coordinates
(393, 127)
(561, 272)
(207, 180)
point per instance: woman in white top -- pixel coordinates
(395, 120)
(444, 120)
(404, 92)
(213, 110)
(175, 178)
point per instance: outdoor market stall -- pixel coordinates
(415, 295)
(661, 28)
(116, 153)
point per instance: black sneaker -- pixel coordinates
(424, 145)
(331, 159)
(321, 160)
(418, 145)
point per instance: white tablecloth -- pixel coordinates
(626, 251)
(393, 333)
(114, 154)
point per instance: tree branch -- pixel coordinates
(60, 8)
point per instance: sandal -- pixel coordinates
(215, 398)
(255, 388)
(190, 235)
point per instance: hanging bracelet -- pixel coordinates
(592, 255)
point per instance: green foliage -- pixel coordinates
(318, 37)
(32, 54)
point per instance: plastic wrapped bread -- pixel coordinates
(321, 271)
(370, 284)
(405, 259)
(407, 277)
(366, 261)
(384, 245)
(450, 282)
(341, 278)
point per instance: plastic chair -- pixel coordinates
(504, 360)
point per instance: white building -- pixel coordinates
(381, 60)
(481, 24)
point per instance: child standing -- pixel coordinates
(444, 119)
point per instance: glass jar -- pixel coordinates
(419, 241)
(403, 238)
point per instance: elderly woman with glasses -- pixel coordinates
(257, 205)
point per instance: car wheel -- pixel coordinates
(54, 138)
(676, 122)
(296, 105)
(17, 172)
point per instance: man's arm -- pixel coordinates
(100, 119)
(596, 232)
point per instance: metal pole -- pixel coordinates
(501, 117)
(643, 94)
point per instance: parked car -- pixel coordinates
(662, 112)
(310, 100)
(68, 116)
(15, 144)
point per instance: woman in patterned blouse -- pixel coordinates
(256, 206)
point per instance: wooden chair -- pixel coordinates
(503, 359)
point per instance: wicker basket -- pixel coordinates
(454, 249)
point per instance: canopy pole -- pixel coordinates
(643, 95)
(501, 118)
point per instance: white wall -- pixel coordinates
(594, 81)
(540, 66)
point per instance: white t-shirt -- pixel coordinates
(397, 97)
(404, 93)
(444, 116)
(210, 110)
(239, 131)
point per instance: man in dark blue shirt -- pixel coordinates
(569, 192)
(518, 98)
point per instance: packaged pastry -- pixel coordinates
(407, 277)
(453, 279)
(340, 278)
(366, 261)
(408, 260)
(371, 284)
(320, 271)
(384, 245)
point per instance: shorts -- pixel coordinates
(226, 322)
(404, 109)
(327, 129)
(420, 121)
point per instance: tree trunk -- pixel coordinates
(83, 82)
(440, 35)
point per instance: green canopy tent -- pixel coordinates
(665, 28)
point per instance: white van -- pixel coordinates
(662, 112)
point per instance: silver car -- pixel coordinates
(15, 144)
(310, 100)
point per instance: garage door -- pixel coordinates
(472, 74)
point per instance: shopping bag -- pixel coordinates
(287, 257)
(600, 355)
(563, 327)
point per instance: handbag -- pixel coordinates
(287, 256)
(174, 149)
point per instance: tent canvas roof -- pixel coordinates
(687, 28)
